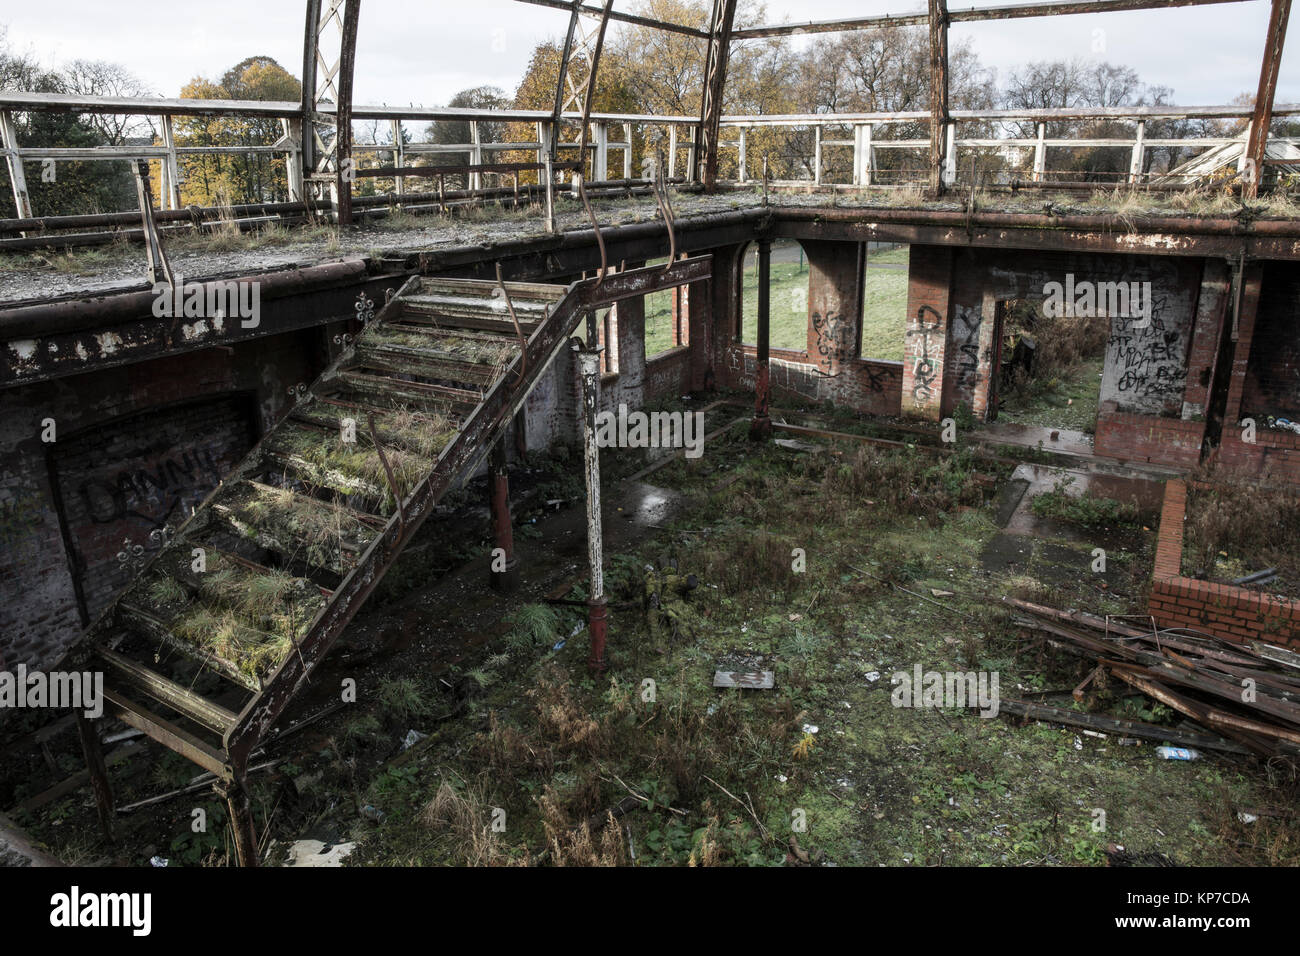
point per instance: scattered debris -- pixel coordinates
(751, 680)
(1228, 688)
(317, 853)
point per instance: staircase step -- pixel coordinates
(394, 391)
(423, 434)
(180, 699)
(320, 457)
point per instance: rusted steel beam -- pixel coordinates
(78, 312)
(1009, 12)
(1263, 115)
(166, 733)
(561, 79)
(632, 18)
(344, 170)
(88, 730)
(715, 78)
(388, 172)
(240, 809)
(504, 566)
(112, 334)
(939, 118)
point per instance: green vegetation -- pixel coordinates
(1086, 511)
(885, 303)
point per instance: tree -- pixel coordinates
(217, 179)
(76, 186)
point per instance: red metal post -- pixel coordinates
(504, 566)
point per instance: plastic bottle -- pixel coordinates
(1177, 753)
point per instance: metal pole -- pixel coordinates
(92, 750)
(507, 577)
(240, 809)
(589, 365)
(761, 427)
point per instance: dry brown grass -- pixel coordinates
(464, 823)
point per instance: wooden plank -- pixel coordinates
(1116, 725)
(192, 705)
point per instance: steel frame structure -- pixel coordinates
(317, 131)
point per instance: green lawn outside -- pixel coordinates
(885, 314)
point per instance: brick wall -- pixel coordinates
(1232, 613)
(41, 510)
(1149, 438)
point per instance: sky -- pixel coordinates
(423, 53)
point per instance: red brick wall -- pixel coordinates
(1150, 438)
(1232, 613)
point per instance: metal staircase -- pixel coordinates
(215, 635)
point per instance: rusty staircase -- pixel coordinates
(217, 632)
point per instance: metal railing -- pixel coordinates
(644, 132)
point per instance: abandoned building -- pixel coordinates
(216, 450)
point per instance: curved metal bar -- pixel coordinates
(523, 341)
(665, 207)
(600, 240)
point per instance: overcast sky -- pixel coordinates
(424, 52)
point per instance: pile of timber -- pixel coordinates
(1248, 692)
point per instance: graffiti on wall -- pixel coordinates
(925, 368)
(835, 333)
(966, 336)
(1146, 369)
(155, 494)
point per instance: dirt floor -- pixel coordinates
(832, 565)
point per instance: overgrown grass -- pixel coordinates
(1232, 531)
(1091, 512)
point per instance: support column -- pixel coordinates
(600, 157)
(88, 730)
(240, 810)
(761, 426)
(171, 171)
(9, 144)
(589, 366)
(475, 180)
(817, 155)
(1040, 153)
(929, 299)
(939, 118)
(504, 572)
(1138, 159)
(835, 291)
(1263, 115)
(744, 157)
(399, 156)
